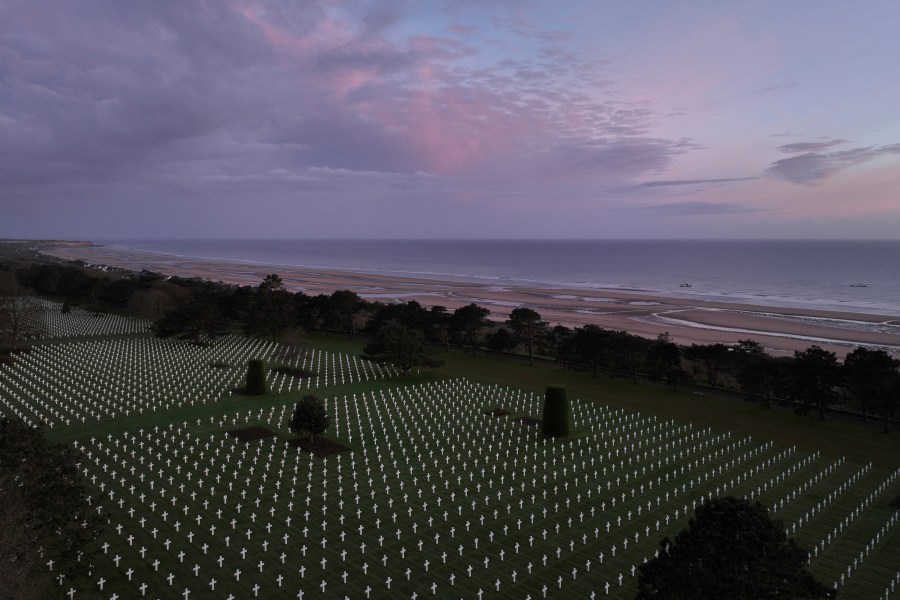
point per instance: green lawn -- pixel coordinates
(464, 489)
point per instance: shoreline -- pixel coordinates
(781, 330)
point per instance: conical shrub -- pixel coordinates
(556, 412)
(256, 377)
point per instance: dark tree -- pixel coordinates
(715, 358)
(271, 283)
(344, 306)
(555, 422)
(199, 320)
(45, 514)
(268, 309)
(256, 377)
(756, 372)
(409, 314)
(630, 350)
(501, 341)
(271, 312)
(814, 376)
(468, 321)
(591, 345)
(527, 325)
(730, 549)
(21, 315)
(440, 325)
(400, 346)
(664, 361)
(559, 342)
(871, 377)
(309, 417)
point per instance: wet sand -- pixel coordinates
(688, 320)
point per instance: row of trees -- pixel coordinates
(813, 379)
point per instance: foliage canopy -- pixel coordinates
(730, 549)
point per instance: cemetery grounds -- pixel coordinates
(437, 495)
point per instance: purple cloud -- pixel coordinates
(696, 208)
(182, 97)
(814, 168)
(676, 182)
(810, 146)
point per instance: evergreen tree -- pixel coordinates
(310, 417)
(555, 422)
(814, 376)
(400, 346)
(527, 325)
(501, 341)
(468, 321)
(871, 377)
(45, 514)
(664, 361)
(256, 377)
(730, 549)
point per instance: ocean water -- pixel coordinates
(836, 275)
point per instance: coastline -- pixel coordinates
(781, 330)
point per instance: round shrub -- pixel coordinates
(256, 377)
(556, 412)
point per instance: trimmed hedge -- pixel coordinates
(256, 377)
(556, 412)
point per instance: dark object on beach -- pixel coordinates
(256, 377)
(556, 412)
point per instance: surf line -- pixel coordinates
(658, 318)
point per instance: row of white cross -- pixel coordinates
(389, 507)
(65, 383)
(81, 323)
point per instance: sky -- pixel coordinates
(449, 119)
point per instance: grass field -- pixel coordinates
(436, 495)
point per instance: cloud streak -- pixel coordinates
(698, 208)
(678, 182)
(814, 168)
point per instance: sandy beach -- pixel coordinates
(688, 320)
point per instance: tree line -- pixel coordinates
(812, 380)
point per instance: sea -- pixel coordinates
(859, 276)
